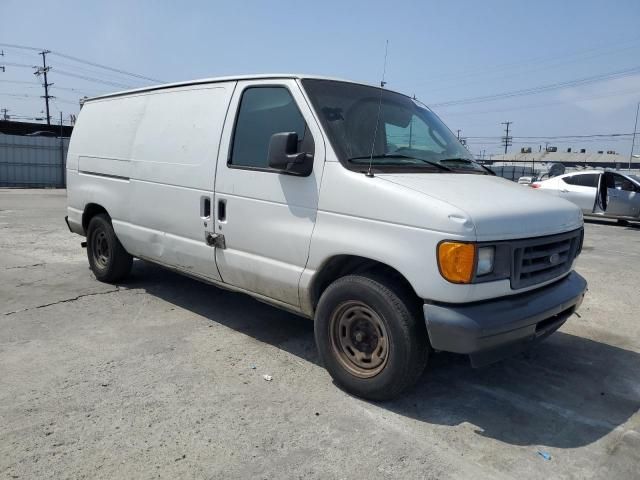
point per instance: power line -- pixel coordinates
(22, 47)
(22, 65)
(92, 79)
(540, 60)
(68, 89)
(540, 88)
(555, 137)
(24, 82)
(533, 67)
(87, 62)
(83, 70)
(544, 104)
(18, 95)
(55, 87)
(117, 70)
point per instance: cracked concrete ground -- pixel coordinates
(161, 377)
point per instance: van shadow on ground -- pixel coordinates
(567, 392)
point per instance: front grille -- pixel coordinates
(538, 260)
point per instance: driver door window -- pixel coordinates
(621, 201)
(263, 112)
(623, 184)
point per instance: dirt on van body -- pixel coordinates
(163, 377)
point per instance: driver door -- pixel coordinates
(601, 201)
(624, 197)
(266, 216)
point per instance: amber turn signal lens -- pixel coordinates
(457, 261)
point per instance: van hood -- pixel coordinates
(498, 208)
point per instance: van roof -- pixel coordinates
(203, 81)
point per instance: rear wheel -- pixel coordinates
(108, 259)
(370, 336)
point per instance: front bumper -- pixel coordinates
(494, 329)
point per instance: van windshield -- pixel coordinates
(407, 135)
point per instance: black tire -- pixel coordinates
(407, 346)
(108, 259)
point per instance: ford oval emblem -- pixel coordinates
(555, 258)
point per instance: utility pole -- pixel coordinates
(458, 133)
(63, 167)
(4, 114)
(506, 140)
(43, 71)
(633, 142)
(2, 67)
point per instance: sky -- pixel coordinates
(469, 53)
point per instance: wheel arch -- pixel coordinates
(339, 266)
(90, 211)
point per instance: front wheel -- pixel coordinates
(108, 259)
(370, 336)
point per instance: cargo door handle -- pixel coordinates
(222, 210)
(205, 208)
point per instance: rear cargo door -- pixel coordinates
(172, 162)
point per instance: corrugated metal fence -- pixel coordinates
(32, 162)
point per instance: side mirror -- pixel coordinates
(283, 154)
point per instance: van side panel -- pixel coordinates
(149, 160)
(98, 154)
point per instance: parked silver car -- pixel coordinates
(598, 193)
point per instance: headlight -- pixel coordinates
(485, 260)
(460, 262)
(456, 261)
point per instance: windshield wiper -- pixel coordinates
(457, 159)
(466, 160)
(399, 155)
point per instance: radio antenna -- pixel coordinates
(375, 132)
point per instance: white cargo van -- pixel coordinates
(348, 204)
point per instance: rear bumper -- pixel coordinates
(491, 330)
(74, 221)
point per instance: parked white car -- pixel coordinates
(341, 202)
(598, 193)
(525, 180)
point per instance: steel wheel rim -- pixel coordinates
(359, 339)
(100, 248)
